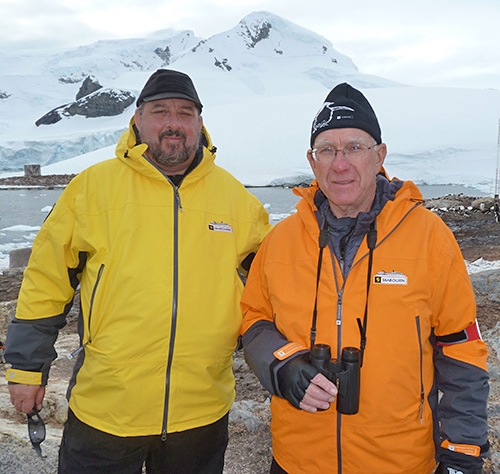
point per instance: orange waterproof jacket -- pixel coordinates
(431, 295)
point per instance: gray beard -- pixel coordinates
(169, 158)
(172, 156)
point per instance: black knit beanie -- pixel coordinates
(169, 84)
(346, 107)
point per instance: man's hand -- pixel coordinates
(304, 387)
(445, 469)
(25, 397)
(320, 393)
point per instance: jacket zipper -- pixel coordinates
(422, 391)
(175, 299)
(338, 322)
(91, 306)
(339, 333)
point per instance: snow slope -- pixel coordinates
(261, 84)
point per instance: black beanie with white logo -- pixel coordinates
(346, 107)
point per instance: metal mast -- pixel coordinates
(497, 173)
(497, 180)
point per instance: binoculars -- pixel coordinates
(344, 373)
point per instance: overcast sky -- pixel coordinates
(421, 42)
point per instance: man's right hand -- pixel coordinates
(25, 397)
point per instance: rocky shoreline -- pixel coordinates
(43, 181)
(249, 450)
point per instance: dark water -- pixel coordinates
(22, 211)
(25, 206)
(282, 200)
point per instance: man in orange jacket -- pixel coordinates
(364, 270)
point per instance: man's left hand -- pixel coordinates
(318, 395)
(445, 469)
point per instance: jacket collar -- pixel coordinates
(132, 153)
(385, 191)
(393, 193)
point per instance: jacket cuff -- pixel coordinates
(282, 356)
(288, 350)
(464, 456)
(468, 449)
(263, 343)
(24, 377)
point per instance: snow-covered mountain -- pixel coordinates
(261, 83)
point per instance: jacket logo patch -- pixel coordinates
(392, 278)
(220, 227)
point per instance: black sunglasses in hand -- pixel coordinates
(36, 430)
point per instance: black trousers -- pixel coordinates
(85, 450)
(276, 468)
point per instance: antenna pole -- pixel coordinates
(497, 180)
(497, 173)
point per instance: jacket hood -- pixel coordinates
(131, 152)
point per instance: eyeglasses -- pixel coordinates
(36, 430)
(351, 152)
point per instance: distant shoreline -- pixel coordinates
(55, 181)
(33, 182)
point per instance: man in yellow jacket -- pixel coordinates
(365, 271)
(155, 239)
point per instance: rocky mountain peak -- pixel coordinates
(254, 31)
(89, 85)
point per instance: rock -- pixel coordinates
(89, 85)
(7, 313)
(18, 258)
(55, 405)
(243, 412)
(51, 117)
(49, 181)
(487, 284)
(483, 204)
(165, 54)
(101, 103)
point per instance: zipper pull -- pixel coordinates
(422, 403)
(178, 198)
(338, 322)
(75, 353)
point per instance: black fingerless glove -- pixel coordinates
(294, 377)
(445, 469)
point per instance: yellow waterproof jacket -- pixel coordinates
(419, 289)
(157, 266)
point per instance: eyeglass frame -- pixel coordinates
(36, 430)
(365, 150)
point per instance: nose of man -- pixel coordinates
(339, 163)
